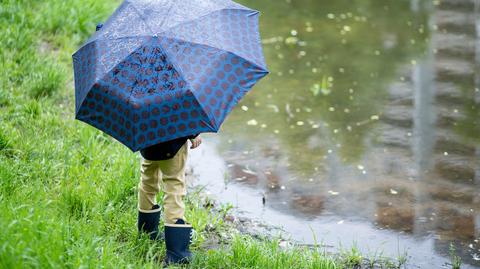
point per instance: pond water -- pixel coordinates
(366, 131)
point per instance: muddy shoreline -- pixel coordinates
(236, 221)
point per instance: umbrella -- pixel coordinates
(163, 69)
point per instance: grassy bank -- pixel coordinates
(67, 191)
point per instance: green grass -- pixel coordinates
(244, 252)
(68, 191)
(47, 82)
(455, 259)
(352, 257)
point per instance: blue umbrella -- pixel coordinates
(163, 69)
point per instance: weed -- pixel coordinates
(32, 109)
(352, 258)
(4, 141)
(4, 98)
(455, 259)
(47, 81)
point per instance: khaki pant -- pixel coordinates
(171, 173)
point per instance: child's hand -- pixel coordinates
(196, 142)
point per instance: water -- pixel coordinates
(366, 131)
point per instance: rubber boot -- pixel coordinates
(177, 241)
(148, 223)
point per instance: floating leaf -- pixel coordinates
(325, 86)
(315, 89)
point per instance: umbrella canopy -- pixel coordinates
(162, 69)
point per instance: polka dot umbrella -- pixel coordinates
(163, 69)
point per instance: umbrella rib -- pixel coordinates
(143, 43)
(141, 17)
(109, 70)
(192, 90)
(164, 17)
(190, 87)
(168, 13)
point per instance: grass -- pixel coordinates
(46, 83)
(455, 259)
(4, 142)
(68, 191)
(352, 258)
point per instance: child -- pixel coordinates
(166, 162)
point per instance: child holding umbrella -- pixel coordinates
(165, 163)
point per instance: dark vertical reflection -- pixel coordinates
(477, 103)
(424, 112)
(477, 52)
(423, 77)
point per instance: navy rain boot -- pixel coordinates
(148, 222)
(177, 241)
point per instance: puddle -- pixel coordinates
(367, 130)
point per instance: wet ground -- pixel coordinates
(367, 130)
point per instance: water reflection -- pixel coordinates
(371, 116)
